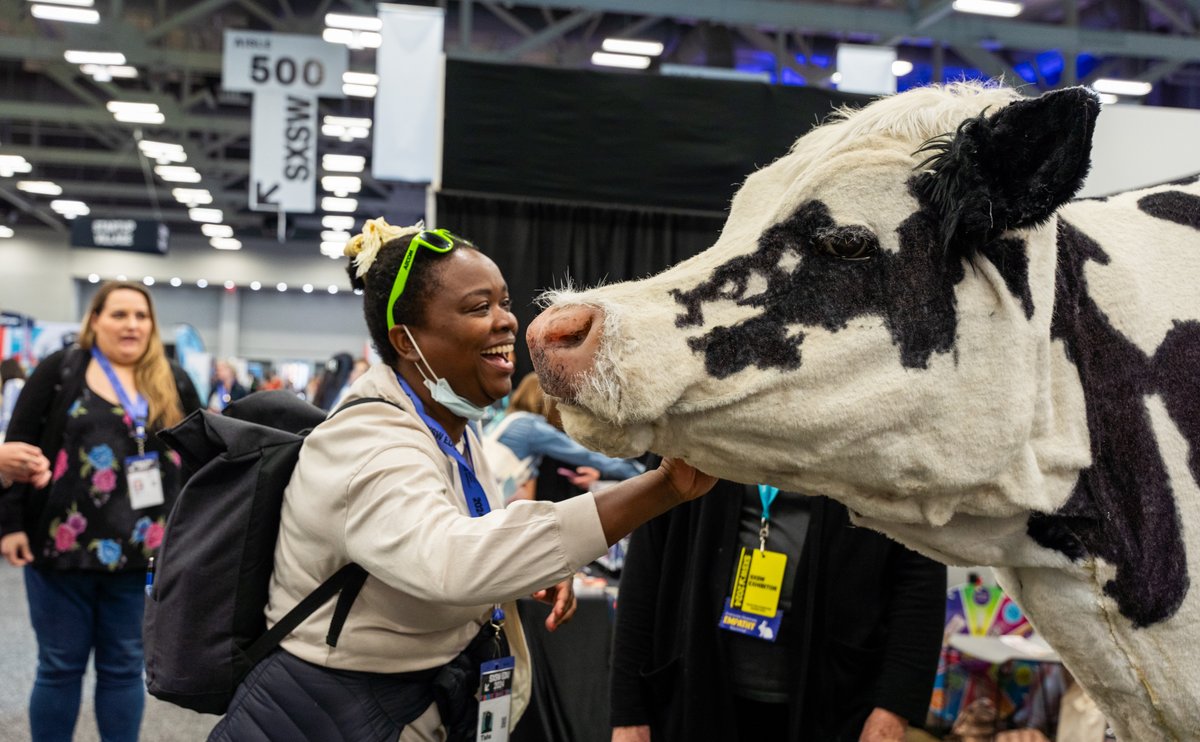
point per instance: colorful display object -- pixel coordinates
(1025, 692)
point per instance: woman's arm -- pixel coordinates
(547, 440)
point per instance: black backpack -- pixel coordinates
(204, 627)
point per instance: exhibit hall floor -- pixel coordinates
(18, 657)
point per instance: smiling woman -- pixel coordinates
(86, 524)
(396, 481)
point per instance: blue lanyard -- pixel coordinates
(767, 493)
(477, 502)
(138, 411)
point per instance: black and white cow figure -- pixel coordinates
(908, 314)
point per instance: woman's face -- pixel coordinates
(470, 328)
(123, 326)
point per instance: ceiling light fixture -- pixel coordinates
(360, 78)
(164, 153)
(330, 235)
(338, 222)
(633, 46)
(307, 288)
(333, 289)
(352, 39)
(176, 281)
(177, 173)
(202, 284)
(70, 209)
(901, 67)
(999, 8)
(359, 91)
(10, 165)
(343, 163)
(40, 187)
(225, 243)
(105, 73)
(5, 231)
(70, 15)
(354, 22)
(333, 249)
(255, 285)
(626, 61)
(281, 286)
(76, 3)
(1114, 86)
(148, 280)
(230, 285)
(216, 230)
(93, 278)
(192, 196)
(75, 56)
(1108, 98)
(330, 203)
(211, 216)
(341, 185)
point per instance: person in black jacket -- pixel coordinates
(852, 655)
(86, 535)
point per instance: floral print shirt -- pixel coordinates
(92, 524)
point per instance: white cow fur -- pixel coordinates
(950, 459)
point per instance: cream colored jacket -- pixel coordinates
(371, 486)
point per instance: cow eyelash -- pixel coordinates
(852, 244)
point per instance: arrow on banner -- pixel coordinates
(261, 198)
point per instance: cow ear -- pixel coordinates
(1011, 169)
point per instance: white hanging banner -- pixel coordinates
(866, 69)
(408, 106)
(283, 152)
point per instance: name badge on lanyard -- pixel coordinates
(495, 675)
(143, 477)
(752, 607)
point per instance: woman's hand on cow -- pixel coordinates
(561, 599)
(21, 462)
(15, 548)
(687, 481)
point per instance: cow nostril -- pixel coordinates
(568, 333)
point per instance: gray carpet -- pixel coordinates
(18, 659)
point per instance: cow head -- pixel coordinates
(871, 323)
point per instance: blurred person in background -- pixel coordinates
(333, 379)
(85, 539)
(12, 380)
(226, 387)
(360, 368)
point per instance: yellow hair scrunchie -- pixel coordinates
(364, 247)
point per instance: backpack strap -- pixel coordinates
(345, 583)
(348, 580)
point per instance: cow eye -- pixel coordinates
(847, 243)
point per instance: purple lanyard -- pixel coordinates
(138, 411)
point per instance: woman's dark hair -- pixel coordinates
(10, 368)
(424, 278)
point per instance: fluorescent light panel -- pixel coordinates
(340, 185)
(75, 56)
(633, 46)
(333, 249)
(13, 164)
(359, 91)
(177, 173)
(336, 222)
(360, 78)
(104, 73)
(225, 243)
(353, 39)
(5, 231)
(1113, 86)
(212, 216)
(60, 13)
(76, 3)
(998, 8)
(40, 187)
(330, 235)
(627, 61)
(901, 67)
(216, 230)
(354, 22)
(70, 209)
(343, 163)
(330, 203)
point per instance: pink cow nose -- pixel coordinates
(562, 343)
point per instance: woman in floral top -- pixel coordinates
(85, 538)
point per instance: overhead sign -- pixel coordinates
(283, 152)
(254, 61)
(408, 106)
(138, 235)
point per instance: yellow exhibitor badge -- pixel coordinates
(758, 582)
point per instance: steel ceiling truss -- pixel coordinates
(177, 51)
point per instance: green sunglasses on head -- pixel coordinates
(438, 240)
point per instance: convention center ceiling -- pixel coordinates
(58, 127)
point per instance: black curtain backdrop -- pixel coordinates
(540, 244)
(643, 140)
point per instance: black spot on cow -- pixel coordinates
(1174, 206)
(912, 291)
(1122, 508)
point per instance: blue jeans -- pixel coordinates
(74, 613)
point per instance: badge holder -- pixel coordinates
(495, 690)
(142, 475)
(752, 607)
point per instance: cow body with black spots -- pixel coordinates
(908, 314)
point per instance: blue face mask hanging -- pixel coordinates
(440, 389)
